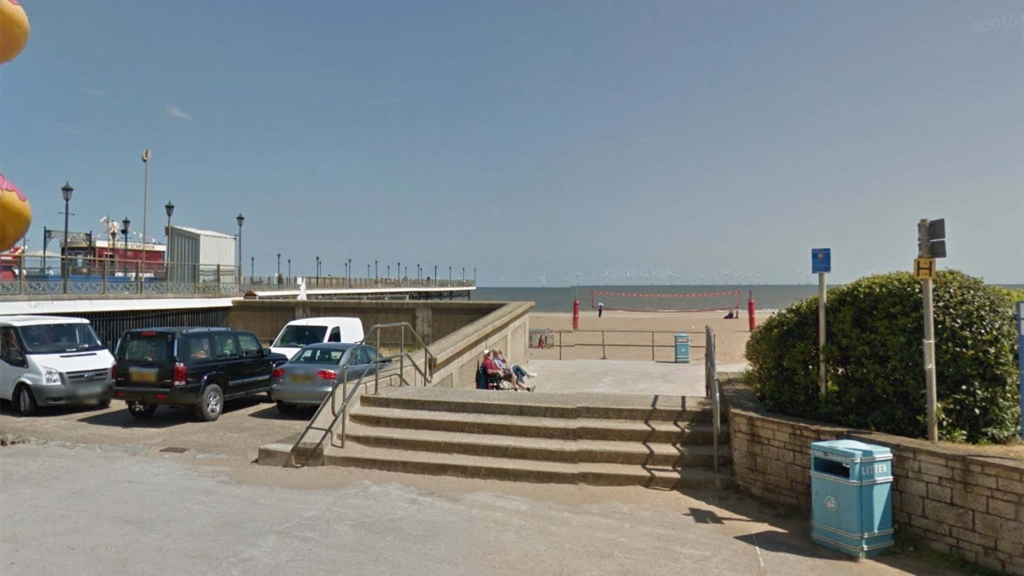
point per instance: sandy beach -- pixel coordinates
(628, 335)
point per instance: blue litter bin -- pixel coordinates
(683, 348)
(851, 491)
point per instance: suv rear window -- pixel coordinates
(300, 336)
(146, 347)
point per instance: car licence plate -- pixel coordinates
(301, 378)
(143, 375)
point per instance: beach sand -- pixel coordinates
(628, 335)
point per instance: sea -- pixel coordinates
(766, 296)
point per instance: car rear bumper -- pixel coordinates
(299, 393)
(183, 396)
(70, 395)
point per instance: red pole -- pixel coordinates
(576, 313)
(750, 311)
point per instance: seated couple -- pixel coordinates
(497, 368)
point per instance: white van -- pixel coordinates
(52, 361)
(298, 334)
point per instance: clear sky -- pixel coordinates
(526, 138)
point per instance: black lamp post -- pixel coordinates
(318, 271)
(278, 267)
(349, 275)
(169, 209)
(435, 274)
(375, 274)
(66, 191)
(289, 267)
(252, 268)
(126, 224)
(241, 220)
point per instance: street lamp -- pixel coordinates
(145, 202)
(376, 276)
(289, 268)
(349, 272)
(318, 271)
(66, 190)
(126, 223)
(252, 268)
(241, 220)
(169, 209)
(278, 267)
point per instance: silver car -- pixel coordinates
(311, 374)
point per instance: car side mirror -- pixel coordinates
(266, 352)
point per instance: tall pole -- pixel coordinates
(279, 267)
(376, 275)
(289, 267)
(435, 274)
(349, 276)
(64, 252)
(145, 202)
(929, 336)
(252, 268)
(240, 219)
(821, 332)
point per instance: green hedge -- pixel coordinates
(874, 358)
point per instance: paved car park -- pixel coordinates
(245, 425)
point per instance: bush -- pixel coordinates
(874, 358)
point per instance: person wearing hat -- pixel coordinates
(514, 374)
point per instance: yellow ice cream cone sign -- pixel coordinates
(13, 29)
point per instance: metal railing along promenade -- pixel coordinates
(50, 275)
(608, 342)
(340, 413)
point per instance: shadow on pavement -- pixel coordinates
(164, 417)
(303, 413)
(7, 409)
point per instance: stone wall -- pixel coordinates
(432, 319)
(955, 498)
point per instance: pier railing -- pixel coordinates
(22, 275)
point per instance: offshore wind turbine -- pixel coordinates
(543, 280)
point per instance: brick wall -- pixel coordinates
(956, 499)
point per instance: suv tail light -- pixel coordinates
(327, 375)
(180, 374)
(277, 373)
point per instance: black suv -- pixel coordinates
(197, 367)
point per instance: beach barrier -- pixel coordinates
(661, 303)
(610, 339)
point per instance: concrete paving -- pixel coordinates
(78, 510)
(621, 376)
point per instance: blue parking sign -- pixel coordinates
(821, 260)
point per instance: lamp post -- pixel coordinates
(376, 276)
(126, 223)
(349, 275)
(289, 268)
(66, 191)
(318, 271)
(252, 268)
(145, 201)
(241, 220)
(435, 274)
(449, 276)
(463, 277)
(278, 267)
(169, 209)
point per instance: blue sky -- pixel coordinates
(526, 138)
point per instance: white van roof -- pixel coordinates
(29, 320)
(325, 321)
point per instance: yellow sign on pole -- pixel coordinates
(924, 268)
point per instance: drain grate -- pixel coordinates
(175, 450)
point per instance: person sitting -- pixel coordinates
(514, 374)
(492, 373)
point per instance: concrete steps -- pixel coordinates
(596, 439)
(530, 448)
(484, 467)
(537, 427)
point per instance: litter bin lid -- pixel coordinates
(853, 450)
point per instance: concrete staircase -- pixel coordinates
(597, 439)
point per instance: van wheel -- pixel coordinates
(284, 408)
(24, 401)
(140, 410)
(211, 403)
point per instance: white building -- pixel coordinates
(201, 256)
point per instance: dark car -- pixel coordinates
(190, 367)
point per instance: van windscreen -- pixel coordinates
(299, 336)
(59, 338)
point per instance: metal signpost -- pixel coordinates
(821, 264)
(1020, 361)
(931, 244)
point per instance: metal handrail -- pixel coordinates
(711, 388)
(339, 414)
